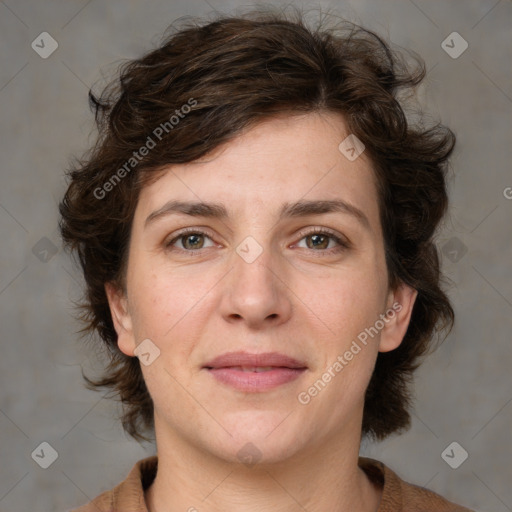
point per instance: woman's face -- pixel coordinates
(259, 274)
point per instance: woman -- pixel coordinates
(255, 226)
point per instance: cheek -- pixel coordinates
(344, 302)
(169, 309)
(155, 307)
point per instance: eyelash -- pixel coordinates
(342, 244)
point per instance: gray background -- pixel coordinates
(464, 391)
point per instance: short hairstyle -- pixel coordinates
(204, 84)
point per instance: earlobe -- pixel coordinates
(399, 312)
(121, 318)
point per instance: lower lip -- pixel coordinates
(253, 382)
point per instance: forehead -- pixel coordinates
(272, 164)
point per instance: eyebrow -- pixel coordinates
(288, 210)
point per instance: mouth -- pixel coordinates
(254, 373)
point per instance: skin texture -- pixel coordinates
(296, 298)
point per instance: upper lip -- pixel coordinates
(230, 359)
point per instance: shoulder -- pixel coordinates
(129, 494)
(398, 495)
(103, 503)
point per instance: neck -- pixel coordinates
(318, 479)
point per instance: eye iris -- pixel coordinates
(317, 238)
(194, 244)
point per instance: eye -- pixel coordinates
(319, 240)
(190, 240)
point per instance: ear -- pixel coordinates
(398, 314)
(121, 318)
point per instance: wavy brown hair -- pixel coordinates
(237, 71)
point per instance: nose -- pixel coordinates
(256, 291)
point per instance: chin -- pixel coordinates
(261, 438)
(257, 452)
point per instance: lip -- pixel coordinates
(226, 369)
(230, 359)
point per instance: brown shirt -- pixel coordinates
(397, 495)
